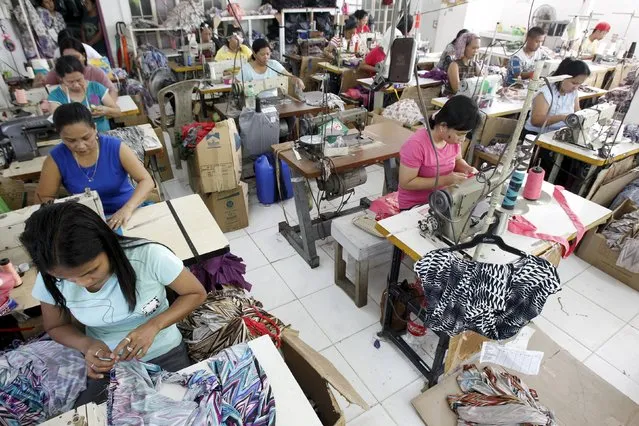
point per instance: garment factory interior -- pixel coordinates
(339, 212)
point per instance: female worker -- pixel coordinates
(418, 161)
(53, 23)
(552, 105)
(465, 65)
(115, 286)
(91, 53)
(362, 21)
(102, 163)
(336, 42)
(234, 50)
(262, 67)
(75, 88)
(73, 47)
(448, 55)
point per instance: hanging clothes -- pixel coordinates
(226, 318)
(522, 226)
(494, 300)
(235, 393)
(39, 380)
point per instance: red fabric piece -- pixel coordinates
(364, 29)
(205, 128)
(521, 226)
(385, 206)
(375, 56)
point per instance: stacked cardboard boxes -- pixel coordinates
(215, 170)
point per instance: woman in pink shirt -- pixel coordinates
(418, 160)
(73, 47)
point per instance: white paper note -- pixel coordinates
(526, 362)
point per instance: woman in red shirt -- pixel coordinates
(362, 21)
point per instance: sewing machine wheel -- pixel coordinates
(572, 121)
(440, 202)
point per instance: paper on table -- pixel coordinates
(526, 362)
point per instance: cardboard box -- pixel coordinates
(594, 250)
(607, 192)
(164, 163)
(314, 374)
(217, 160)
(497, 130)
(229, 208)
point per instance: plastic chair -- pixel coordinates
(182, 92)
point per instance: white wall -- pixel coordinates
(111, 12)
(483, 15)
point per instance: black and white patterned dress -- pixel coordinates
(494, 300)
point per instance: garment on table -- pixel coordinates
(91, 73)
(226, 318)
(417, 153)
(406, 111)
(107, 176)
(522, 226)
(559, 104)
(465, 71)
(447, 56)
(94, 95)
(236, 392)
(497, 397)
(218, 270)
(134, 138)
(39, 380)
(91, 52)
(319, 98)
(274, 69)
(106, 314)
(225, 54)
(374, 57)
(494, 300)
(521, 62)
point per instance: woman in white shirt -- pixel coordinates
(262, 67)
(552, 105)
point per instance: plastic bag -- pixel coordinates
(385, 206)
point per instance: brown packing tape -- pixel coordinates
(325, 368)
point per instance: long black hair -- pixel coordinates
(461, 32)
(75, 44)
(360, 14)
(68, 64)
(70, 234)
(72, 113)
(458, 113)
(572, 67)
(405, 24)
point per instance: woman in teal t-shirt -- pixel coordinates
(115, 286)
(75, 88)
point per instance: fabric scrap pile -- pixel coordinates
(406, 111)
(228, 317)
(39, 380)
(134, 138)
(236, 392)
(227, 269)
(494, 300)
(623, 235)
(497, 398)
(318, 99)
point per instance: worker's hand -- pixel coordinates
(95, 355)
(98, 110)
(470, 171)
(299, 83)
(137, 343)
(456, 178)
(120, 218)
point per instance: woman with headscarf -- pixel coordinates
(465, 66)
(448, 55)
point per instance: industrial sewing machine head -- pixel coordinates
(19, 138)
(483, 88)
(589, 128)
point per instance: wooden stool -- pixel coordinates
(361, 246)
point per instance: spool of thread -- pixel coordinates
(532, 190)
(6, 282)
(7, 267)
(30, 73)
(21, 96)
(516, 181)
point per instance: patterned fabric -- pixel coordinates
(228, 317)
(134, 138)
(494, 300)
(465, 71)
(53, 24)
(236, 393)
(622, 96)
(39, 380)
(406, 111)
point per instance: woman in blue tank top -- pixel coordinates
(86, 159)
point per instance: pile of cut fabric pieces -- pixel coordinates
(623, 235)
(496, 397)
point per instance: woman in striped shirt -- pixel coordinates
(336, 42)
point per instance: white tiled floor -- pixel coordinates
(595, 317)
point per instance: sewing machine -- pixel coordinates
(550, 66)
(270, 90)
(19, 138)
(482, 88)
(581, 123)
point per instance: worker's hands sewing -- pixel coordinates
(455, 178)
(120, 218)
(99, 359)
(98, 110)
(137, 343)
